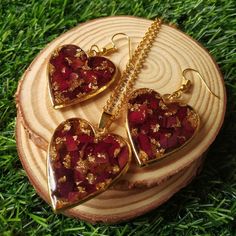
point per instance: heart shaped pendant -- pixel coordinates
(83, 162)
(75, 77)
(157, 127)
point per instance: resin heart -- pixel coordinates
(82, 164)
(75, 77)
(157, 128)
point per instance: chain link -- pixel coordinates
(134, 66)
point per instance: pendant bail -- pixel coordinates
(105, 121)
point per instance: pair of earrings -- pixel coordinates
(84, 161)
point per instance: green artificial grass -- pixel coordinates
(207, 206)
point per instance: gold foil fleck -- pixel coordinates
(62, 179)
(143, 156)
(51, 69)
(91, 158)
(116, 152)
(155, 128)
(168, 135)
(163, 105)
(115, 169)
(81, 166)
(81, 189)
(68, 60)
(91, 178)
(67, 161)
(192, 118)
(67, 126)
(134, 132)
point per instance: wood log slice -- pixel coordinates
(111, 206)
(172, 52)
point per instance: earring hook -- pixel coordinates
(96, 51)
(200, 76)
(185, 86)
(129, 42)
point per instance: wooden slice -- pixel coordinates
(172, 52)
(111, 206)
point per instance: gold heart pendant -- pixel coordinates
(74, 77)
(83, 162)
(157, 127)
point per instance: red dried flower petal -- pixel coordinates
(71, 144)
(74, 196)
(65, 188)
(182, 113)
(85, 138)
(145, 144)
(77, 63)
(138, 116)
(172, 141)
(123, 157)
(163, 141)
(89, 76)
(154, 103)
(79, 175)
(171, 121)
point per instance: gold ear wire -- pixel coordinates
(185, 81)
(129, 42)
(96, 51)
(185, 86)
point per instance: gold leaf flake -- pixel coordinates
(116, 152)
(102, 155)
(192, 118)
(74, 83)
(81, 166)
(81, 189)
(59, 140)
(67, 161)
(59, 97)
(91, 178)
(168, 135)
(155, 142)
(53, 153)
(134, 132)
(143, 156)
(115, 169)
(68, 60)
(100, 186)
(51, 69)
(155, 128)
(67, 126)
(163, 105)
(62, 179)
(91, 158)
(160, 152)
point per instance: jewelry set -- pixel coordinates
(85, 159)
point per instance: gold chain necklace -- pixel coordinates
(113, 107)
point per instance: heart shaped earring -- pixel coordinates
(75, 76)
(84, 160)
(160, 125)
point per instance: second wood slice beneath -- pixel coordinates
(112, 206)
